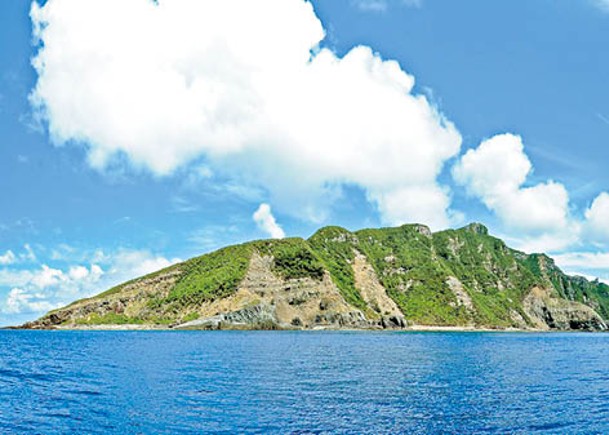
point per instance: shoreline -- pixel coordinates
(411, 328)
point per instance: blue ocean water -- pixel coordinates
(302, 382)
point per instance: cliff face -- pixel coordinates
(375, 278)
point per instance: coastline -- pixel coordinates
(411, 328)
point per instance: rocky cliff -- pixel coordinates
(374, 278)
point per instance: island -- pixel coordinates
(404, 277)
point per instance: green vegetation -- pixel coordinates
(189, 317)
(206, 278)
(292, 258)
(109, 319)
(201, 279)
(405, 262)
(492, 273)
(416, 267)
(575, 288)
(335, 246)
(119, 288)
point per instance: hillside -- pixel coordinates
(373, 278)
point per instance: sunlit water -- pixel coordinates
(303, 382)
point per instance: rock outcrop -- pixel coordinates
(549, 312)
(390, 278)
(375, 295)
(266, 300)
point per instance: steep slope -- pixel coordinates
(373, 278)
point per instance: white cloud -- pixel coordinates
(62, 251)
(383, 5)
(546, 242)
(15, 278)
(496, 172)
(371, 5)
(597, 219)
(128, 264)
(602, 4)
(80, 272)
(29, 254)
(47, 277)
(7, 258)
(420, 204)
(541, 215)
(583, 260)
(43, 288)
(20, 301)
(592, 265)
(266, 222)
(44, 277)
(250, 93)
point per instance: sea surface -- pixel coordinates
(302, 382)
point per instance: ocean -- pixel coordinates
(192, 382)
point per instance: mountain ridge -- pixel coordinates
(397, 277)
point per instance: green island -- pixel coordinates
(389, 278)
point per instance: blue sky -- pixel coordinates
(124, 151)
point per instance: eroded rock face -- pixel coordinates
(548, 312)
(477, 228)
(252, 292)
(423, 229)
(131, 300)
(463, 298)
(265, 299)
(375, 295)
(261, 316)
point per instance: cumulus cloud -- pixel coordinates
(10, 257)
(597, 219)
(44, 288)
(420, 204)
(266, 222)
(541, 215)
(545, 242)
(251, 93)
(592, 265)
(20, 301)
(583, 260)
(496, 172)
(48, 277)
(127, 264)
(7, 258)
(36, 290)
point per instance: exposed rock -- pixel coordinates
(264, 298)
(549, 312)
(297, 283)
(260, 316)
(463, 299)
(374, 293)
(454, 245)
(423, 229)
(389, 259)
(296, 321)
(477, 228)
(518, 320)
(345, 237)
(131, 299)
(393, 322)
